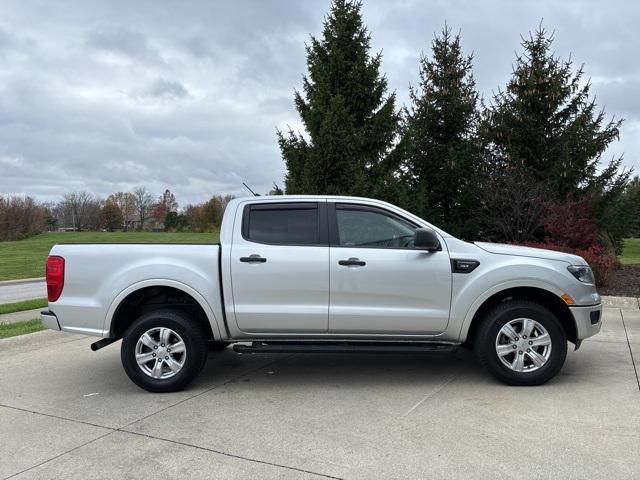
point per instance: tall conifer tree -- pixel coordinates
(351, 122)
(546, 122)
(441, 136)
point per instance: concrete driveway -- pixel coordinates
(66, 412)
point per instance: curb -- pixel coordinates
(22, 280)
(631, 303)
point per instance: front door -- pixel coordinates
(379, 283)
(280, 268)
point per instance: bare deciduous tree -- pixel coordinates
(142, 201)
(512, 205)
(79, 210)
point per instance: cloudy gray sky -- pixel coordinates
(109, 95)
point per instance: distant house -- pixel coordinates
(150, 223)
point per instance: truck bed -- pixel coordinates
(99, 276)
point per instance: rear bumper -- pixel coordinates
(588, 320)
(49, 320)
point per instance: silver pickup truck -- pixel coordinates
(323, 274)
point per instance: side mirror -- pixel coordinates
(426, 239)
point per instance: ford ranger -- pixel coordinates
(323, 274)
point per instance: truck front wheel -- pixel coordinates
(163, 350)
(521, 343)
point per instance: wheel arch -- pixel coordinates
(147, 296)
(542, 296)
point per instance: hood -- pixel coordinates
(520, 251)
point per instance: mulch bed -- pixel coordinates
(625, 282)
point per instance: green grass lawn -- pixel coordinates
(22, 306)
(20, 328)
(26, 258)
(631, 253)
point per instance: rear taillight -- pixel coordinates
(55, 277)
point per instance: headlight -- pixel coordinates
(582, 273)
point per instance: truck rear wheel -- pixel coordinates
(163, 350)
(521, 343)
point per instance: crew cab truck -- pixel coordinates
(323, 274)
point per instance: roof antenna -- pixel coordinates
(254, 193)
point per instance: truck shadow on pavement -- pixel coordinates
(321, 370)
(351, 370)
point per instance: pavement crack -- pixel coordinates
(633, 362)
(122, 429)
(248, 372)
(433, 392)
(57, 417)
(233, 455)
(59, 455)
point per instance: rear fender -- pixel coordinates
(216, 327)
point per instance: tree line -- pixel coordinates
(503, 169)
(22, 216)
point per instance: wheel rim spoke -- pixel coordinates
(541, 340)
(148, 341)
(527, 327)
(503, 350)
(143, 358)
(157, 370)
(536, 358)
(164, 336)
(173, 365)
(177, 347)
(518, 362)
(509, 332)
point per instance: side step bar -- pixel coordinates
(344, 347)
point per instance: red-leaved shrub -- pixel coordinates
(572, 228)
(571, 223)
(601, 262)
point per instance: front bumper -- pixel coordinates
(588, 320)
(49, 320)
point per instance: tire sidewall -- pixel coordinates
(195, 344)
(503, 315)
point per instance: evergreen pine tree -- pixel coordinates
(440, 139)
(546, 123)
(350, 121)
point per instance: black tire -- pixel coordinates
(217, 346)
(492, 323)
(194, 339)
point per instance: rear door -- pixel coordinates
(280, 268)
(379, 283)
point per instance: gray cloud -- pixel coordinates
(161, 88)
(107, 96)
(120, 40)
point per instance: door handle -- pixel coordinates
(255, 258)
(352, 262)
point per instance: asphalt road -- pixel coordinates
(66, 412)
(17, 290)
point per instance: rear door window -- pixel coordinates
(282, 224)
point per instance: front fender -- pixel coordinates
(475, 306)
(495, 274)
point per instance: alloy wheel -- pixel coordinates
(523, 345)
(160, 353)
